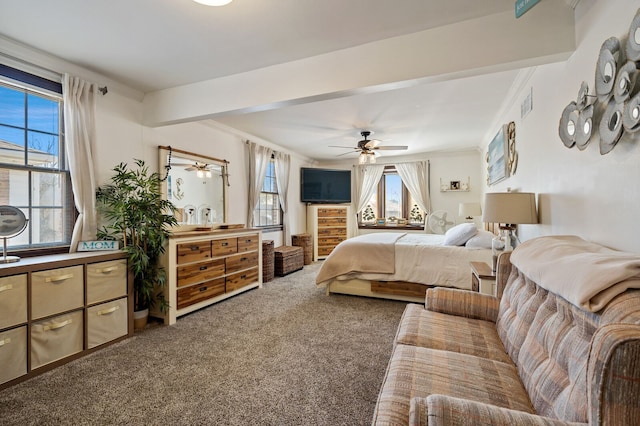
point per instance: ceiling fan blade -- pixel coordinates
(338, 146)
(345, 153)
(392, 147)
(372, 143)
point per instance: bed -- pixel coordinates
(399, 266)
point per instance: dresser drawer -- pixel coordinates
(199, 272)
(248, 243)
(106, 280)
(224, 247)
(188, 296)
(332, 221)
(106, 322)
(56, 338)
(193, 252)
(13, 300)
(241, 279)
(332, 232)
(325, 251)
(56, 290)
(13, 353)
(242, 261)
(332, 212)
(330, 241)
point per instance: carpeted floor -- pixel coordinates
(286, 354)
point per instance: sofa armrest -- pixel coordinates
(441, 410)
(613, 374)
(463, 303)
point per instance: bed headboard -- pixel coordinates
(494, 228)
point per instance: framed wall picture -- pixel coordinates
(497, 164)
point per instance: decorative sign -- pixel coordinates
(97, 245)
(523, 6)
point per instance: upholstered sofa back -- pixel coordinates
(551, 343)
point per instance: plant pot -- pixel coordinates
(140, 319)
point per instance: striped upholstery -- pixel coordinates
(565, 366)
(419, 372)
(419, 327)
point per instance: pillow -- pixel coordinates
(459, 234)
(481, 240)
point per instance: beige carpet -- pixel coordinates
(286, 354)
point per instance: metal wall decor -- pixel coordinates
(615, 110)
(513, 154)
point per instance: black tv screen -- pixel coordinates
(325, 186)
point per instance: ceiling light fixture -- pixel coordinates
(213, 2)
(367, 158)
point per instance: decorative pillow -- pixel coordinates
(459, 234)
(481, 240)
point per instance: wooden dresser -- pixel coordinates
(328, 224)
(205, 267)
(54, 309)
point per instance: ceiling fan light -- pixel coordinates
(372, 158)
(208, 173)
(213, 2)
(362, 159)
(200, 173)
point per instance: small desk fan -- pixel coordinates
(439, 223)
(12, 223)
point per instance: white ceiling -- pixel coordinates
(151, 45)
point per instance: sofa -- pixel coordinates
(559, 345)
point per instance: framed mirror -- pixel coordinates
(197, 185)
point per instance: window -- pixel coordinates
(392, 200)
(268, 212)
(33, 172)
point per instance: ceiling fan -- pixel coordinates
(368, 147)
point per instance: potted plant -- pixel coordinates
(140, 219)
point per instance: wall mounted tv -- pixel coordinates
(325, 186)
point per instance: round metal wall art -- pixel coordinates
(615, 110)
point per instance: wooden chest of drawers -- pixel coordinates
(205, 267)
(329, 225)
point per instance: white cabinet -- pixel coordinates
(56, 308)
(329, 225)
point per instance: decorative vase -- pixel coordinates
(140, 319)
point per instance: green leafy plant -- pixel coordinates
(415, 215)
(368, 215)
(140, 219)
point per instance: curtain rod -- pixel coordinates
(181, 151)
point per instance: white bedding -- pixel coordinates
(421, 258)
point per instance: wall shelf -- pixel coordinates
(456, 186)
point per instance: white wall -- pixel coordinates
(579, 192)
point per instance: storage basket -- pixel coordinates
(288, 259)
(304, 241)
(267, 260)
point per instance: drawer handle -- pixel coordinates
(243, 277)
(109, 311)
(107, 269)
(58, 278)
(6, 287)
(243, 259)
(57, 325)
(248, 241)
(203, 288)
(194, 248)
(5, 341)
(224, 244)
(203, 268)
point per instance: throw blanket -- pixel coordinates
(585, 274)
(364, 253)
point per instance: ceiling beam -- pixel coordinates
(492, 43)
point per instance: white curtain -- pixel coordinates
(80, 137)
(282, 164)
(366, 178)
(259, 158)
(415, 177)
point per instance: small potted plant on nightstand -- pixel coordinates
(140, 219)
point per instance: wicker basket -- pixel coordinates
(304, 241)
(288, 259)
(267, 261)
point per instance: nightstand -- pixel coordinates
(483, 279)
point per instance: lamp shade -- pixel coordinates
(510, 208)
(469, 209)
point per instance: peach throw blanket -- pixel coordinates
(365, 253)
(585, 274)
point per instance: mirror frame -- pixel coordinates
(165, 170)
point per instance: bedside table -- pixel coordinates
(483, 279)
